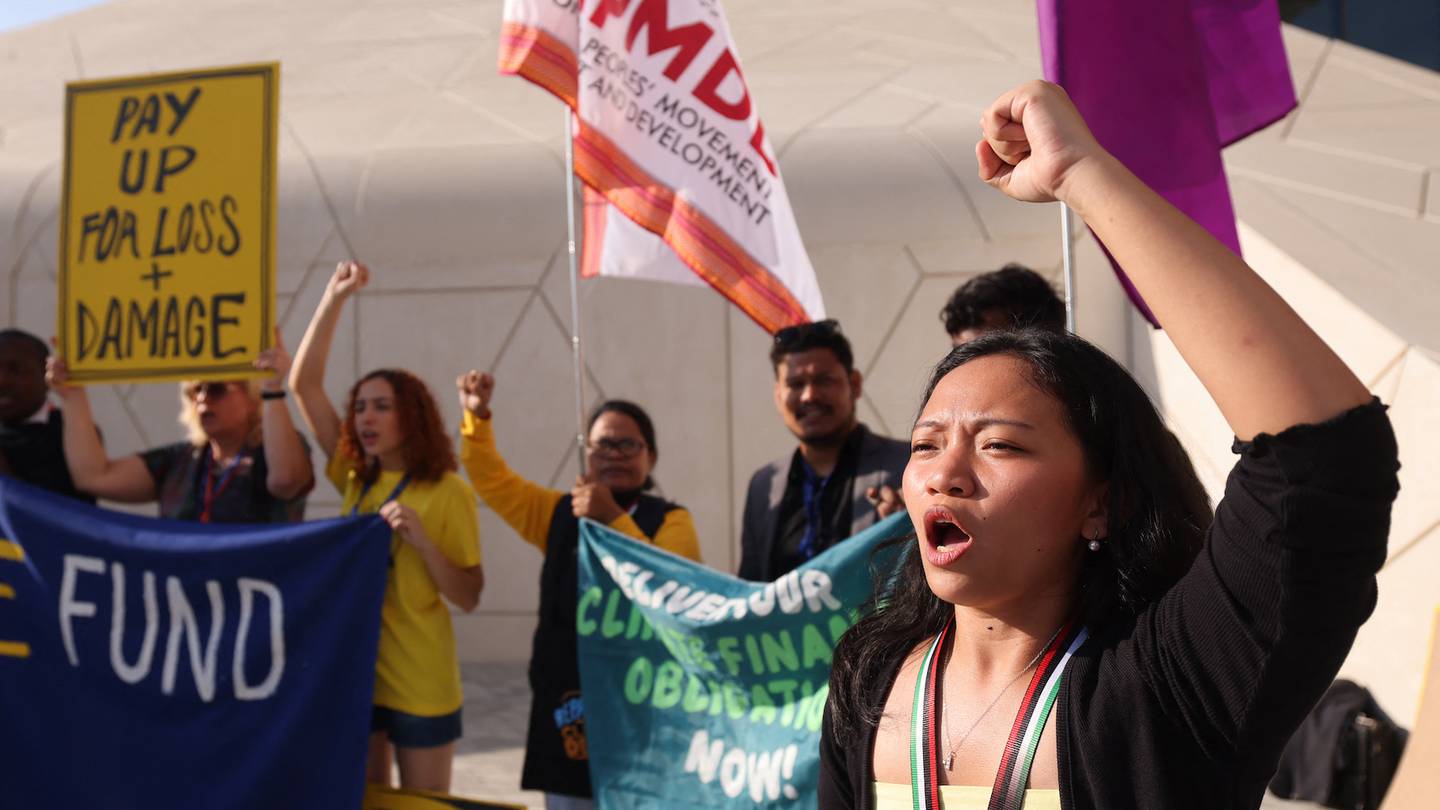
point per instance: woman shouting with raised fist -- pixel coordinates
(1069, 627)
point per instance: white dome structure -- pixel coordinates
(401, 146)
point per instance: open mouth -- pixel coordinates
(368, 437)
(945, 538)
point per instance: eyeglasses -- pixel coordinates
(793, 336)
(624, 448)
(211, 390)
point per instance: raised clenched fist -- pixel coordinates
(1033, 138)
(348, 278)
(475, 389)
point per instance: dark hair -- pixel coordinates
(642, 421)
(824, 334)
(1157, 514)
(32, 343)
(1020, 296)
(428, 450)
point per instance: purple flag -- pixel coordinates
(1165, 85)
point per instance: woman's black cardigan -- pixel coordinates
(1190, 704)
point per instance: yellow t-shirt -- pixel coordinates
(528, 507)
(417, 671)
(890, 796)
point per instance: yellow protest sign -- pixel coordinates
(167, 231)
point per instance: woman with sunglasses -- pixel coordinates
(242, 461)
(1068, 627)
(391, 455)
(621, 452)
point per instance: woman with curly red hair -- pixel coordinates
(392, 455)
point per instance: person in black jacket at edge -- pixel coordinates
(1069, 628)
(31, 429)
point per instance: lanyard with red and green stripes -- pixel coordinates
(1008, 792)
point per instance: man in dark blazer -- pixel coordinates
(829, 487)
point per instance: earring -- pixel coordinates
(1094, 544)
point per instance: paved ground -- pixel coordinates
(487, 760)
(497, 706)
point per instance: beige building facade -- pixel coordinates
(402, 147)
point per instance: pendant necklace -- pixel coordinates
(927, 758)
(950, 757)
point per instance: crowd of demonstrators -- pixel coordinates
(621, 452)
(391, 454)
(242, 460)
(821, 493)
(1062, 540)
(32, 431)
(1013, 297)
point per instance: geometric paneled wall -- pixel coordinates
(402, 147)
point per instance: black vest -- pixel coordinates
(556, 752)
(35, 452)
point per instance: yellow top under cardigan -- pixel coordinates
(890, 796)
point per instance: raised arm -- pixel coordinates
(1260, 362)
(124, 479)
(288, 471)
(307, 377)
(527, 506)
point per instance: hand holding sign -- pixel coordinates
(1034, 139)
(475, 390)
(594, 500)
(275, 360)
(57, 376)
(405, 522)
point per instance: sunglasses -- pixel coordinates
(792, 336)
(211, 390)
(624, 448)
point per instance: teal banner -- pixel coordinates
(703, 690)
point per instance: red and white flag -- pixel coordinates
(681, 181)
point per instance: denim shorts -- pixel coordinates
(414, 731)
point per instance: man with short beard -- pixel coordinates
(826, 490)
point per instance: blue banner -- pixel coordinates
(158, 664)
(702, 690)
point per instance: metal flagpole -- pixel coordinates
(574, 290)
(1067, 248)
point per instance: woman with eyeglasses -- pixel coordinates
(242, 461)
(390, 454)
(1069, 627)
(621, 452)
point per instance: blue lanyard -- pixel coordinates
(811, 493)
(394, 493)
